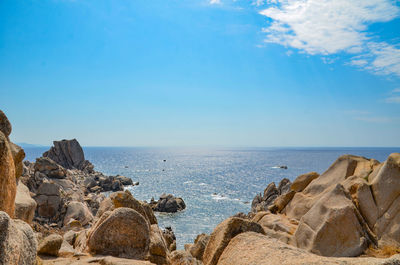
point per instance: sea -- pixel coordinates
(215, 183)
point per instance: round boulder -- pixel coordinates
(123, 233)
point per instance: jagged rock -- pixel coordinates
(50, 245)
(66, 250)
(170, 238)
(257, 249)
(25, 206)
(223, 233)
(385, 187)
(302, 181)
(124, 180)
(200, 243)
(276, 225)
(50, 168)
(78, 211)
(17, 241)
(8, 187)
(18, 155)
(158, 247)
(169, 203)
(181, 257)
(123, 233)
(271, 193)
(332, 227)
(69, 154)
(5, 125)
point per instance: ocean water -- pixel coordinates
(214, 183)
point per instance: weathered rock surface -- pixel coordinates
(181, 257)
(257, 249)
(8, 187)
(332, 228)
(271, 193)
(25, 206)
(168, 203)
(158, 247)
(50, 245)
(17, 242)
(302, 181)
(78, 211)
(123, 233)
(50, 168)
(223, 233)
(200, 243)
(5, 125)
(69, 154)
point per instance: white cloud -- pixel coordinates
(394, 97)
(329, 27)
(215, 2)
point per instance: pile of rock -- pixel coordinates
(168, 203)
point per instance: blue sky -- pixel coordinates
(202, 73)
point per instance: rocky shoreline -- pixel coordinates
(53, 211)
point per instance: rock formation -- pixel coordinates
(168, 203)
(69, 154)
(17, 241)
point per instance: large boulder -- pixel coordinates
(50, 245)
(169, 203)
(385, 186)
(125, 199)
(257, 249)
(332, 227)
(69, 154)
(344, 167)
(8, 184)
(276, 225)
(223, 233)
(25, 206)
(17, 242)
(48, 200)
(123, 232)
(78, 211)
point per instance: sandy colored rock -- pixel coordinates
(18, 155)
(223, 233)
(181, 257)
(302, 181)
(25, 206)
(257, 249)
(200, 243)
(5, 125)
(344, 167)
(331, 227)
(17, 241)
(8, 185)
(125, 199)
(50, 245)
(386, 185)
(123, 233)
(78, 211)
(280, 203)
(158, 247)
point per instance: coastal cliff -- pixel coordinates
(54, 211)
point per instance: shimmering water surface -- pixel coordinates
(214, 183)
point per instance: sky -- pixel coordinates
(202, 72)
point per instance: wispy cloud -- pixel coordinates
(394, 96)
(335, 26)
(366, 116)
(215, 2)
